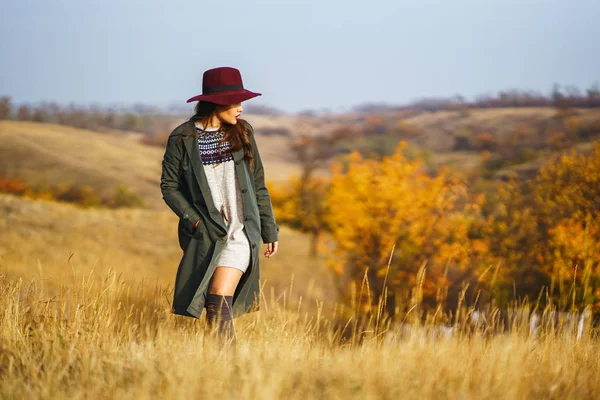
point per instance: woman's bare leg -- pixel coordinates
(224, 281)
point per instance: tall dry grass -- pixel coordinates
(52, 240)
(85, 313)
(114, 338)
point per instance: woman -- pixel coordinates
(213, 179)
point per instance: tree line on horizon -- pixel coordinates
(153, 119)
(560, 97)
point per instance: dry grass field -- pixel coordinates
(84, 300)
(85, 306)
(47, 154)
(51, 241)
(115, 339)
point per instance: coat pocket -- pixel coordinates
(184, 235)
(199, 231)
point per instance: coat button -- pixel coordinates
(253, 245)
(186, 215)
(244, 190)
(247, 219)
(237, 162)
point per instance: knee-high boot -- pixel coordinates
(219, 313)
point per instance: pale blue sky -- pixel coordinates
(299, 53)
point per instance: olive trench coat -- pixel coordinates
(185, 190)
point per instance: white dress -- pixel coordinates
(225, 191)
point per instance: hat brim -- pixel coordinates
(224, 98)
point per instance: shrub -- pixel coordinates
(85, 196)
(485, 141)
(124, 197)
(12, 186)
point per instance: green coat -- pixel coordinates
(185, 190)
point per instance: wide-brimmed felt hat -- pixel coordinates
(223, 85)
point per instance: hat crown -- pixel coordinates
(223, 85)
(221, 79)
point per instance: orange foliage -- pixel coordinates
(299, 204)
(546, 231)
(84, 196)
(536, 236)
(378, 205)
(12, 186)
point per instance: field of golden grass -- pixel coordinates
(54, 240)
(113, 339)
(85, 313)
(85, 308)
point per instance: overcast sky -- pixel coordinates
(301, 54)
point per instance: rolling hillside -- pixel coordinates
(54, 154)
(497, 139)
(54, 239)
(440, 128)
(51, 154)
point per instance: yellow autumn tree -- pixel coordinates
(575, 262)
(300, 204)
(516, 243)
(393, 203)
(545, 233)
(567, 200)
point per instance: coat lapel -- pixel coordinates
(191, 146)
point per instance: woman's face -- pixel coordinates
(229, 114)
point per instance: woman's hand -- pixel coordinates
(196, 227)
(271, 249)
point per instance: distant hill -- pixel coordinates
(441, 128)
(505, 139)
(496, 139)
(54, 154)
(49, 154)
(493, 141)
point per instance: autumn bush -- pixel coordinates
(83, 196)
(125, 197)
(12, 186)
(393, 224)
(389, 218)
(300, 204)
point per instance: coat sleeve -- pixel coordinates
(171, 185)
(269, 230)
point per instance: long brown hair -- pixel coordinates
(236, 134)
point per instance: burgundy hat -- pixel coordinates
(223, 85)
